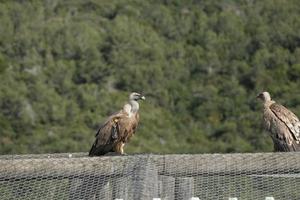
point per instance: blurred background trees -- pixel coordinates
(66, 65)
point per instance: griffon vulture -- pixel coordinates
(118, 128)
(283, 125)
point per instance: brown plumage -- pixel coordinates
(118, 128)
(283, 125)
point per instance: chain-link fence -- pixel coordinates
(207, 176)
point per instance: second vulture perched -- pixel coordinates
(283, 125)
(118, 128)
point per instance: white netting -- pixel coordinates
(206, 176)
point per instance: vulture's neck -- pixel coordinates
(268, 103)
(134, 106)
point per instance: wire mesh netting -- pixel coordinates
(205, 176)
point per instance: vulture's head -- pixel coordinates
(264, 96)
(136, 96)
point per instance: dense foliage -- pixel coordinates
(66, 65)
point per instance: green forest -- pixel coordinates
(65, 65)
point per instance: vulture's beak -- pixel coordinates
(259, 96)
(143, 97)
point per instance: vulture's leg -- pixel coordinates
(122, 148)
(118, 148)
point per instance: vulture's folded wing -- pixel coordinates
(106, 135)
(288, 118)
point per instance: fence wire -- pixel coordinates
(141, 177)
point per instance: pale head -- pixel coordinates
(264, 96)
(136, 96)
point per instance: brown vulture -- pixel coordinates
(283, 124)
(118, 128)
